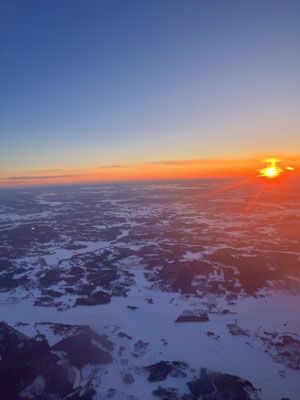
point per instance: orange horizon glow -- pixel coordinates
(167, 169)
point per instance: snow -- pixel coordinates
(244, 356)
(186, 341)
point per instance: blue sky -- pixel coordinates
(87, 83)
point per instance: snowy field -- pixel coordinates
(129, 259)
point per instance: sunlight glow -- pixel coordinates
(273, 170)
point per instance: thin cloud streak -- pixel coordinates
(44, 171)
(183, 162)
(114, 166)
(33, 177)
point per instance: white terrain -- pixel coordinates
(181, 290)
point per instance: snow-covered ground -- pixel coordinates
(148, 234)
(242, 356)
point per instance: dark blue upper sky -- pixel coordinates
(85, 83)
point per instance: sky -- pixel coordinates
(129, 89)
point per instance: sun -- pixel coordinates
(271, 171)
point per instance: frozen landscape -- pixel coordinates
(152, 290)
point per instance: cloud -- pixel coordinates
(112, 166)
(203, 161)
(33, 177)
(44, 171)
(233, 160)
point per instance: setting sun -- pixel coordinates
(273, 170)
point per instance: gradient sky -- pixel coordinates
(111, 83)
